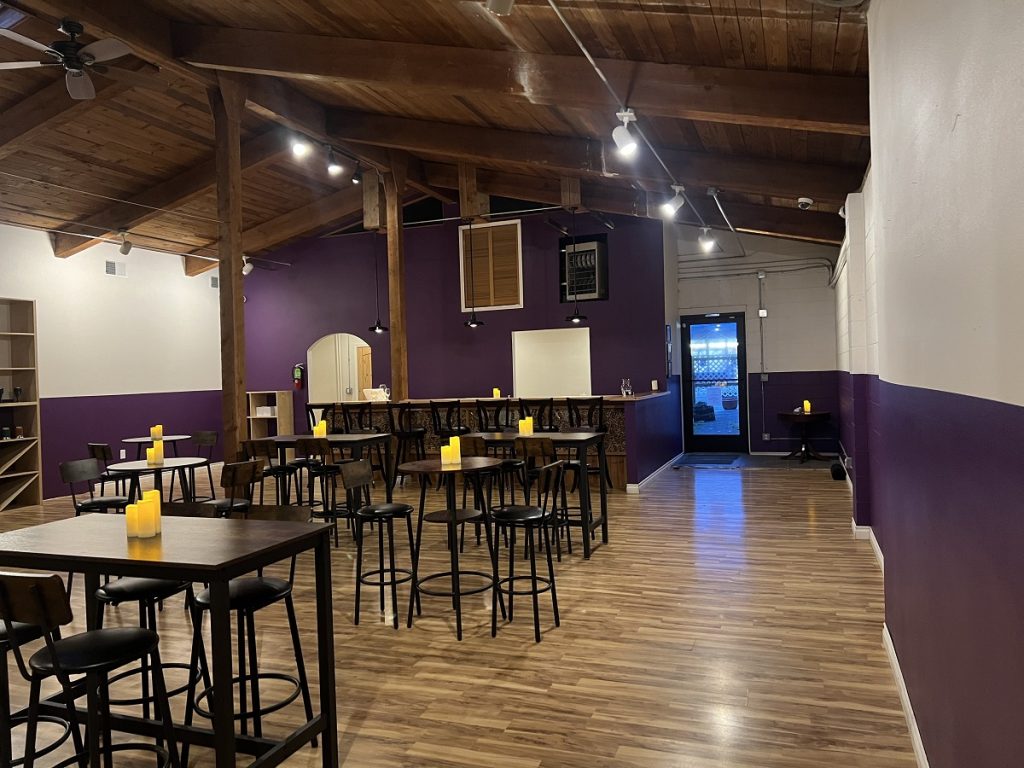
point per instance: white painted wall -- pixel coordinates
(154, 330)
(945, 215)
(800, 330)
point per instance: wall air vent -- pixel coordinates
(214, 282)
(116, 268)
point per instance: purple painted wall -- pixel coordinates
(948, 506)
(784, 391)
(69, 423)
(653, 433)
(854, 409)
(329, 288)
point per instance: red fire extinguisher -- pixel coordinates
(298, 374)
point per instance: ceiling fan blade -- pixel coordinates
(10, 34)
(105, 50)
(25, 64)
(80, 86)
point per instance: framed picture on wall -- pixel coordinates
(583, 268)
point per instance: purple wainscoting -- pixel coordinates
(69, 423)
(329, 289)
(784, 391)
(854, 409)
(947, 479)
(654, 432)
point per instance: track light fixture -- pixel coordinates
(334, 168)
(570, 278)
(624, 140)
(247, 266)
(357, 176)
(669, 207)
(126, 244)
(301, 147)
(376, 327)
(706, 240)
(500, 7)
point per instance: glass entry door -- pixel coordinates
(714, 383)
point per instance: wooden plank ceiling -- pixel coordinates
(764, 99)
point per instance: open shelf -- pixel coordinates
(19, 490)
(28, 404)
(20, 457)
(282, 422)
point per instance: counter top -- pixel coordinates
(607, 399)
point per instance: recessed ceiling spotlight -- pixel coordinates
(500, 7)
(334, 168)
(707, 242)
(624, 140)
(301, 147)
(669, 207)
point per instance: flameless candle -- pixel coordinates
(456, 446)
(157, 432)
(147, 519)
(151, 456)
(807, 406)
(158, 451)
(495, 393)
(446, 455)
(154, 498)
(526, 426)
(131, 520)
(529, 425)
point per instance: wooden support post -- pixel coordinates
(227, 101)
(394, 187)
(472, 202)
(571, 196)
(373, 210)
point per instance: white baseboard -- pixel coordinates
(637, 487)
(878, 550)
(908, 710)
(860, 531)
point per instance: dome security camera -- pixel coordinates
(804, 203)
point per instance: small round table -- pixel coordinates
(142, 442)
(174, 464)
(473, 466)
(804, 421)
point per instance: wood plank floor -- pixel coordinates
(732, 621)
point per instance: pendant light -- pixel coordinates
(473, 322)
(575, 318)
(376, 327)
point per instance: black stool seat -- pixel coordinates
(386, 509)
(250, 593)
(99, 650)
(23, 633)
(227, 506)
(518, 513)
(101, 503)
(410, 433)
(137, 589)
(445, 515)
(279, 470)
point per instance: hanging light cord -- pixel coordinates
(376, 279)
(713, 191)
(472, 282)
(575, 294)
(622, 105)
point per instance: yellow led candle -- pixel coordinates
(157, 432)
(131, 520)
(147, 519)
(446, 455)
(807, 406)
(456, 445)
(529, 425)
(158, 451)
(495, 393)
(151, 456)
(153, 497)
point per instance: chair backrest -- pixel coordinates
(101, 452)
(317, 448)
(401, 417)
(536, 450)
(205, 439)
(549, 484)
(493, 415)
(586, 412)
(356, 475)
(315, 412)
(542, 411)
(445, 415)
(34, 599)
(240, 475)
(80, 471)
(358, 417)
(472, 445)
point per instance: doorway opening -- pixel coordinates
(339, 368)
(714, 386)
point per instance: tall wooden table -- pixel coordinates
(193, 549)
(580, 442)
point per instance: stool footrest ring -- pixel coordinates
(16, 721)
(364, 578)
(488, 577)
(507, 585)
(250, 714)
(138, 671)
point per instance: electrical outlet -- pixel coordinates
(123, 454)
(848, 462)
(766, 435)
(764, 378)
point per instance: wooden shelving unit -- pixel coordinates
(20, 481)
(282, 422)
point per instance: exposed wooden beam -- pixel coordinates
(714, 94)
(394, 184)
(309, 218)
(595, 196)
(584, 157)
(227, 103)
(571, 195)
(170, 194)
(472, 202)
(374, 205)
(196, 266)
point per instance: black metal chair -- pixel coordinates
(411, 437)
(494, 415)
(239, 483)
(323, 470)
(265, 452)
(542, 411)
(315, 412)
(586, 414)
(88, 472)
(41, 602)
(538, 453)
(358, 420)
(446, 419)
(105, 454)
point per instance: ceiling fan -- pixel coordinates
(77, 58)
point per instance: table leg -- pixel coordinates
(414, 595)
(325, 653)
(389, 470)
(92, 621)
(584, 490)
(158, 481)
(602, 459)
(223, 692)
(453, 547)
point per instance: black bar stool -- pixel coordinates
(411, 437)
(542, 411)
(265, 452)
(535, 522)
(586, 414)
